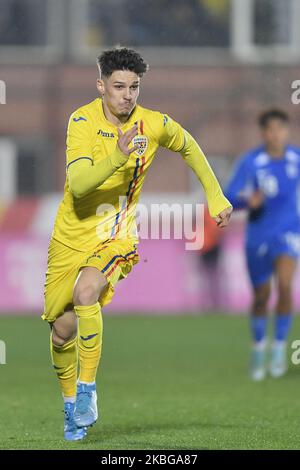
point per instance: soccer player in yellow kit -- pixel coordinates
(111, 143)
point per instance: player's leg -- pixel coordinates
(63, 346)
(260, 271)
(258, 322)
(285, 267)
(95, 285)
(88, 289)
(259, 311)
(58, 312)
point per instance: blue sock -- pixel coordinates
(282, 326)
(258, 327)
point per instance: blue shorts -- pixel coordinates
(261, 256)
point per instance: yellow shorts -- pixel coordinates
(114, 258)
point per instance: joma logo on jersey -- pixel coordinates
(106, 134)
(142, 142)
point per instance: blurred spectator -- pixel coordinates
(210, 259)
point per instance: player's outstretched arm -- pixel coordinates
(84, 177)
(219, 206)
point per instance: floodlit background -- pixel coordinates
(167, 381)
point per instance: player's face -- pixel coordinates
(276, 134)
(120, 92)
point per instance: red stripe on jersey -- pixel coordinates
(135, 182)
(118, 262)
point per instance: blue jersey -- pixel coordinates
(278, 179)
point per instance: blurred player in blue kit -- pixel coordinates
(265, 182)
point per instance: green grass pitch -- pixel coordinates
(166, 382)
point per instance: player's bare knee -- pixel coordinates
(260, 305)
(86, 294)
(89, 286)
(261, 299)
(64, 329)
(58, 340)
(259, 309)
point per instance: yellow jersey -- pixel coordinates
(108, 212)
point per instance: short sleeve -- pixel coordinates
(171, 134)
(79, 138)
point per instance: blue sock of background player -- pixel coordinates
(259, 328)
(282, 326)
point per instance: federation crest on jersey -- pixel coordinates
(142, 141)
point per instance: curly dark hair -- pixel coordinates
(267, 116)
(121, 59)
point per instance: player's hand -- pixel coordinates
(256, 200)
(223, 218)
(125, 139)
